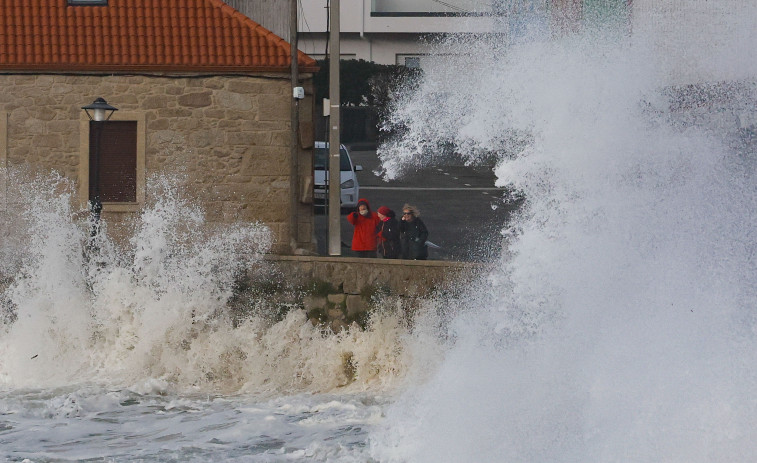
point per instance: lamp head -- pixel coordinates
(99, 110)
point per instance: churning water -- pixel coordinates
(620, 323)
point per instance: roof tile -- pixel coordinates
(129, 35)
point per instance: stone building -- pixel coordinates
(201, 90)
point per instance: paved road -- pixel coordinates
(460, 206)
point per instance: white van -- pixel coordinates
(348, 178)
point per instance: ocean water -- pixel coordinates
(619, 323)
(92, 423)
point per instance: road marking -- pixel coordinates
(430, 188)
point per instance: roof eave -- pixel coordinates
(167, 69)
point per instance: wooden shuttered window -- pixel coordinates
(114, 169)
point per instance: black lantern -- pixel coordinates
(99, 110)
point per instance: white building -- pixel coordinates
(390, 31)
(393, 31)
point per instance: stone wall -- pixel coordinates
(407, 278)
(228, 137)
(340, 291)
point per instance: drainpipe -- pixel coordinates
(362, 19)
(362, 31)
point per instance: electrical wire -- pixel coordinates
(328, 30)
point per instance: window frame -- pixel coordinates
(322, 154)
(3, 161)
(401, 59)
(84, 126)
(87, 3)
(117, 161)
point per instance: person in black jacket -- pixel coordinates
(413, 234)
(388, 232)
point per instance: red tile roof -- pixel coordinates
(138, 35)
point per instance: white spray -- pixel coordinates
(153, 316)
(620, 325)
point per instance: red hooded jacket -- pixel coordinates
(364, 236)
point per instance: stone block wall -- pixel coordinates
(226, 137)
(407, 278)
(340, 291)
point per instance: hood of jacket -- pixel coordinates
(364, 201)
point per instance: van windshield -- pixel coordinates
(322, 157)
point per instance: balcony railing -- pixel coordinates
(436, 7)
(586, 9)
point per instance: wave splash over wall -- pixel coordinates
(620, 324)
(152, 311)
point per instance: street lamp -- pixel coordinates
(99, 111)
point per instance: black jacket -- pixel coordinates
(413, 237)
(389, 238)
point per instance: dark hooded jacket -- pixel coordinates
(364, 235)
(388, 231)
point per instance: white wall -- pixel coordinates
(382, 49)
(271, 14)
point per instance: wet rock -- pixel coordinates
(337, 298)
(311, 303)
(355, 305)
(336, 314)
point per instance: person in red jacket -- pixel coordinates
(365, 221)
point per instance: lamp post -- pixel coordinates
(99, 111)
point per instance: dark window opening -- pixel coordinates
(413, 62)
(113, 167)
(322, 159)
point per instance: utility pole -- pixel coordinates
(294, 141)
(334, 176)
